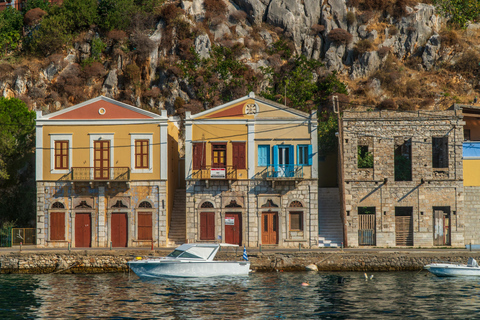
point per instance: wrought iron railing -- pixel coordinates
(98, 174)
(284, 171)
(215, 173)
(6, 237)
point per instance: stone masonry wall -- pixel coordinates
(249, 196)
(472, 215)
(100, 201)
(429, 188)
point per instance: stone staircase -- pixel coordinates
(177, 232)
(330, 224)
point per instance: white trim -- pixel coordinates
(314, 143)
(251, 150)
(163, 156)
(96, 122)
(101, 136)
(141, 136)
(246, 121)
(112, 101)
(39, 153)
(57, 137)
(188, 150)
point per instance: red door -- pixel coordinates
(269, 228)
(101, 159)
(207, 225)
(233, 228)
(83, 230)
(119, 229)
(57, 226)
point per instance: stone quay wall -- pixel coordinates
(104, 262)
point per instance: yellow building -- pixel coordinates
(102, 176)
(251, 174)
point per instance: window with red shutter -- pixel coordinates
(199, 156)
(239, 157)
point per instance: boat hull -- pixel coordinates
(165, 268)
(445, 270)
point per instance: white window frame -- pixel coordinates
(60, 137)
(141, 136)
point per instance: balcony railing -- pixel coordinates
(284, 172)
(98, 174)
(214, 173)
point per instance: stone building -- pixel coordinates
(251, 174)
(403, 178)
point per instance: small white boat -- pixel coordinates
(451, 269)
(189, 260)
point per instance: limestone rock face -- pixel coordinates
(431, 52)
(203, 46)
(365, 65)
(255, 9)
(110, 86)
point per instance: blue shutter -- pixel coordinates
(262, 156)
(267, 151)
(298, 154)
(310, 155)
(291, 155)
(275, 156)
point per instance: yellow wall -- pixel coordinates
(121, 151)
(219, 132)
(287, 132)
(471, 173)
(172, 180)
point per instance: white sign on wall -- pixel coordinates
(217, 173)
(229, 221)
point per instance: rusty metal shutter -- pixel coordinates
(366, 230)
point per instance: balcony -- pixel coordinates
(214, 173)
(98, 174)
(284, 172)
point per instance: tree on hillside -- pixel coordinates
(17, 140)
(11, 23)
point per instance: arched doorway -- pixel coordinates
(269, 222)
(207, 221)
(233, 224)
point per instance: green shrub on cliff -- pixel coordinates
(11, 23)
(459, 12)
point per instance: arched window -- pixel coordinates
(207, 204)
(145, 204)
(58, 205)
(296, 204)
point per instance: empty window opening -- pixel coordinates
(365, 158)
(403, 159)
(440, 152)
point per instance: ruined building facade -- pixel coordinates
(403, 178)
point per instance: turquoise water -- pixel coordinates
(258, 296)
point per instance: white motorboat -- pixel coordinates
(189, 260)
(450, 269)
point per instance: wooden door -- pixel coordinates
(145, 226)
(366, 229)
(207, 225)
(119, 229)
(404, 230)
(101, 159)
(57, 226)
(269, 228)
(233, 228)
(83, 230)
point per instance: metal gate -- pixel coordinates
(24, 235)
(6, 237)
(366, 229)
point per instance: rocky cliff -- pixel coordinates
(401, 56)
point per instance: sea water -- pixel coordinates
(278, 295)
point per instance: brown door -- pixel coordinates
(233, 228)
(366, 228)
(404, 226)
(57, 226)
(145, 226)
(83, 230)
(119, 229)
(269, 228)
(207, 225)
(101, 159)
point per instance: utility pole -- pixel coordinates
(341, 176)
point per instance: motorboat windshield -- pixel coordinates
(195, 251)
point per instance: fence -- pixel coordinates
(24, 235)
(6, 237)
